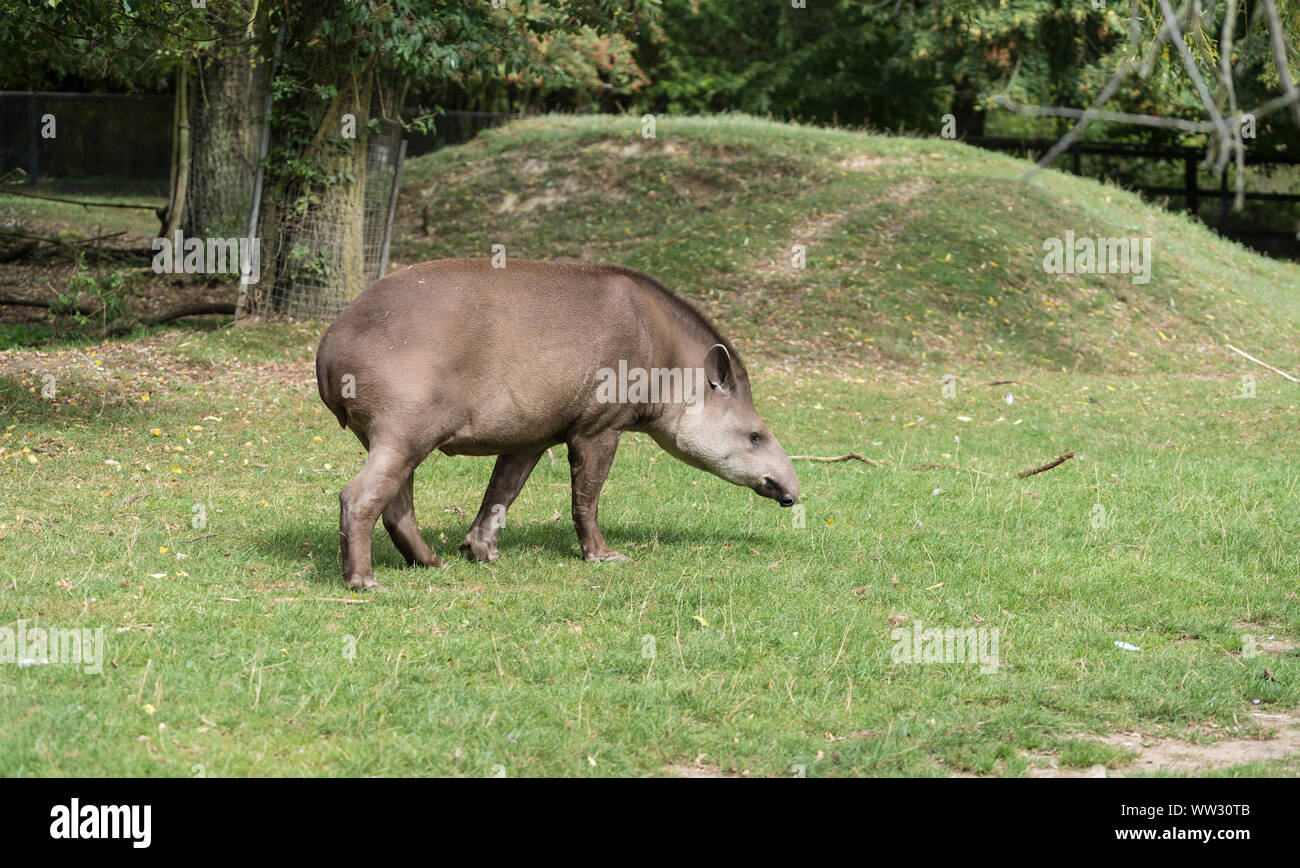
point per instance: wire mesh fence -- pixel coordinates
(311, 248)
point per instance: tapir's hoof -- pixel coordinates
(477, 550)
(433, 561)
(607, 555)
(366, 583)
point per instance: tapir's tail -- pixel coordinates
(330, 397)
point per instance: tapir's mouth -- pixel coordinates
(771, 488)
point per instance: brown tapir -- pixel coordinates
(459, 356)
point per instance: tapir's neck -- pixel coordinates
(680, 367)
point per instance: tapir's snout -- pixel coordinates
(773, 489)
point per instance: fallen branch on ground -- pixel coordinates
(79, 202)
(60, 241)
(847, 456)
(215, 308)
(202, 309)
(1262, 364)
(125, 324)
(1055, 462)
(72, 245)
(55, 305)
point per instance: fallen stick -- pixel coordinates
(61, 241)
(130, 321)
(13, 192)
(847, 456)
(1263, 364)
(84, 310)
(1055, 462)
(319, 600)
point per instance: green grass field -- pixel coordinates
(180, 491)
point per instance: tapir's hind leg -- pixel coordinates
(508, 477)
(399, 521)
(360, 504)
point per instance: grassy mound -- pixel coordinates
(918, 250)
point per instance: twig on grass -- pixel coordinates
(1055, 462)
(847, 456)
(1262, 364)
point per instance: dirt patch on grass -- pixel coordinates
(1276, 736)
(637, 147)
(145, 365)
(809, 232)
(901, 195)
(864, 162)
(696, 770)
(1263, 639)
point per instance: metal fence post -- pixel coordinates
(392, 207)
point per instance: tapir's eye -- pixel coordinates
(753, 437)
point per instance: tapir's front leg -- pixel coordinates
(508, 478)
(589, 462)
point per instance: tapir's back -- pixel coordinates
(523, 341)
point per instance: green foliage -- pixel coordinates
(134, 46)
(92, 300)
(901, 65)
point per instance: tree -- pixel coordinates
(1205, 59)
(344, 65)
(208, 55)
(228, 81)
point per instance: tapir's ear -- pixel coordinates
(717, 367)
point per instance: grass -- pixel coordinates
(736, 641)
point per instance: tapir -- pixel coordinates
(470, 359)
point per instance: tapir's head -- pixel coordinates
(720, 432)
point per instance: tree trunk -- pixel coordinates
(313, 225)
(182, 154)
(226, 102)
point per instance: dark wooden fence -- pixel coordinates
(102, 140)
(122, 142)
(1277, 242)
